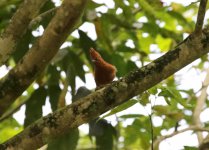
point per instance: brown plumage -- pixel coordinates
(104, 72)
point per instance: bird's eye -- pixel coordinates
(95, 60)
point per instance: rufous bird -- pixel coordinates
(104, 72)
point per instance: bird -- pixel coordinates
(104, 72)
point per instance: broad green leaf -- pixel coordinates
(86, 43)
(9, 128)
(67, 141)
(136, 136)
(104, 133)
(78, 64)
(162, 110)
(130, 66)
(119, 63)
(174, 94)
(23, 46)
(144, 98)
(163, 43)
(36, 100)
(166, 110)
(121, 107)
(53, 86)
(54, 93)
(53, 75)
(93, 5)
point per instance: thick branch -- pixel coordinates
(200, 17)
(17, 27)
(100, 101)
(24, 73)
(199, 106)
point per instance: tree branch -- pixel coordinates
(199, 106)
(41, 53)
(194, 128)
(205, 143)
(100, 101)
(200, 17)
(18, 26)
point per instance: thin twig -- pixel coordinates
(152, 132)
(200, 17)
(12, 111)
(194, 128)
(199, 106)
(61, 100)
(40, 17)
(192, 3)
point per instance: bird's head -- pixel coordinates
(95, 56)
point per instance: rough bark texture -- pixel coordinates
(25, 72)
(17, 27)
(93, 105)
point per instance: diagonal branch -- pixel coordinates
(100, 101)
(41, 53)
(17, 27)
(200, 17)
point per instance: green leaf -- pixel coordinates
(104, 133)
(162, 110)
(105, 142)
(130, 66)
(36, 100)
(9, 128)
(174, 94)
(145, 42)
(153, 90)
(93, 5)
(119, 63)
(121, 107)
(163, 43)
(130, 116)
(166, 110)
(181, 20)
(67, 141)
(53, 86)
(54, 93)
(144, 98)
(190, 148)
(71, 75)
(53, 75)
(23, 46)
(86, 43)
(78, 65)
(136, 135)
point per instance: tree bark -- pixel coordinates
(100, 101)
(18, 26)
(41, 53)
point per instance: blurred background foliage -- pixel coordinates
(128, 34)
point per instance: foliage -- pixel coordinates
(128, 35)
